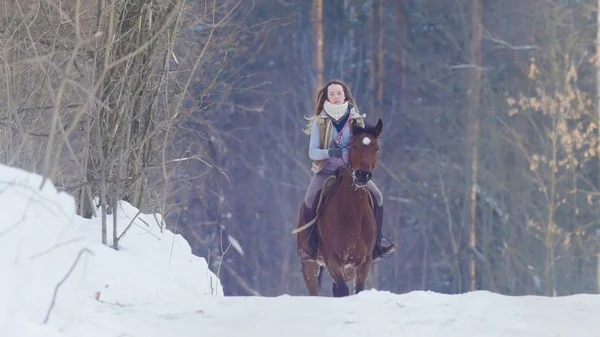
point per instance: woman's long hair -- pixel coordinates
(322, 96)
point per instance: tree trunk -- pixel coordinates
(474, 91)
(403, 13)
(370, 34)
(598, 111)
(380, 52)
(318, 41)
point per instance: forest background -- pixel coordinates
(489, 160)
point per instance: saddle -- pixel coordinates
(329, 185)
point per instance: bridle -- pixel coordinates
(354, 184)
(348, 166)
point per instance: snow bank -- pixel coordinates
(154, 287)
(42, 240)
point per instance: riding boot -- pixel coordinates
(307, 239)
(380, 249)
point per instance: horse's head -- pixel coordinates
(363, 152)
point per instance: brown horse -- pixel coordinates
(345, 224)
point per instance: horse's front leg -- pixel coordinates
(369, 230)
(310, 271)
(362, 272)
(339, 287)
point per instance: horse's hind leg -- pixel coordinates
(311, 271)
(361, 276)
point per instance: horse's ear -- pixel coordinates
(378, 128)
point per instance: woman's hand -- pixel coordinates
(335, 152)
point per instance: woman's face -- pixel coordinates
(335, 94)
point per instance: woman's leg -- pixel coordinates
(315, 185)
(380, 249)
(307, 243)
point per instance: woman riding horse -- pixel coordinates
(330, 131)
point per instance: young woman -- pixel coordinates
(329, 131)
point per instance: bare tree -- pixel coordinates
(559, 149)
(473, 138)
(317, 30)
(116, 101)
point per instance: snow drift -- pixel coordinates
(58, 280)
(54, 269)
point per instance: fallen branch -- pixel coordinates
(84, 250)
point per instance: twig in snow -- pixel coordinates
(223, 252)
(84, 250)
(12, 227)
(128, 227)
(40, 254)
(174, 234)
(242, 282)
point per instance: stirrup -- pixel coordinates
(386, 249)
(389, 249)
(382, 251)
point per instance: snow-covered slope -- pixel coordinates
(57, 279)
(42, 241)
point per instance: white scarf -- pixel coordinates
(335, 111)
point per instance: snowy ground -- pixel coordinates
(154, 287)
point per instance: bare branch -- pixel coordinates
(508, 45)
(54, 295)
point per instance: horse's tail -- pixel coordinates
(320, 277)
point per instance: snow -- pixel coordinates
(154, 286)
(41, 237)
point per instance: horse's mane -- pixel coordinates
(369, 129)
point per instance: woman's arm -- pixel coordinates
(314, 151)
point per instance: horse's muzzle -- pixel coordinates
(362, 178)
